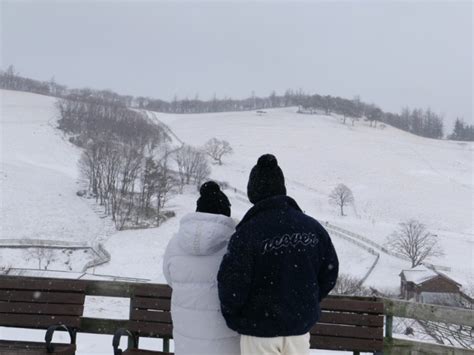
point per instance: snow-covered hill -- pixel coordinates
(39, 175)
(394, 176)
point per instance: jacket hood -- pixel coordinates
(204, 233)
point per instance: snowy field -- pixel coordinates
(53, 259)
(394, 176)
(39, 175)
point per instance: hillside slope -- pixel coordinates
(39, 175)
(394, 175)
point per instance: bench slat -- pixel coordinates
(345, 344)
(39, 308)
(21, 283)
(162, 291)
(159, 330)
(150, 316)
(151, 303)
(144, 352)
(368, 320)
(42, 297)
(347, 331)
(352, 306)
(12, 347)
(37, 321)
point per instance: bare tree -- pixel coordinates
(449, 334)
(123, 193)
(415, 242)
(217, 148)
(349, 285)
(185, 160)
(42, 254)
(341, 196)
(148, 182)
(165, 185)
(192, 165)
(203, 170)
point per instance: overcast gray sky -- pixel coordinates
(390, 53)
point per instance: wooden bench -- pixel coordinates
(150, 316)
(40, 304)
(349, 324)
(338, 313)
(346, 324)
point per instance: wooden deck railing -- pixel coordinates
(427, 312)
(392, 308)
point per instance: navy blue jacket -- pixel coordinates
(279, 265)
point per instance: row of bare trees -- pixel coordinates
(421, 122)
(93, 119)
(112, 169)
(127, 161)
(12, 80)
(124, 159)
(193, 166)
(134, 184)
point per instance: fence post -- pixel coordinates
(131, 342)
(166, 345)
(388, 326)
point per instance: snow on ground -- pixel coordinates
(139, 253)
(89, 344)
(53, 259)
(458, 248)
(39, 174)
(394, 175)
(384, 168)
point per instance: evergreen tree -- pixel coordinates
(462, 131)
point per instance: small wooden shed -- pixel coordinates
(428, 286)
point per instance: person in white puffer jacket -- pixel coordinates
(190, 266)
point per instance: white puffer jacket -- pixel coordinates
(190, 266)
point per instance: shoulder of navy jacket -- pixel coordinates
(274, 202)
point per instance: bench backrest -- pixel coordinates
(40, 303)
(150, 311)
(345, 324)
(349, 325)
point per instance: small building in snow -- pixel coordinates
(428, 286)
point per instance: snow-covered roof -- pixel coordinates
(419, 274)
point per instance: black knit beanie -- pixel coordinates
(212, 200)
(266, 179)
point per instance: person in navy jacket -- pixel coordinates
(279, 265)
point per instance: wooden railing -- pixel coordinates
(392, 308)
(427, 312)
